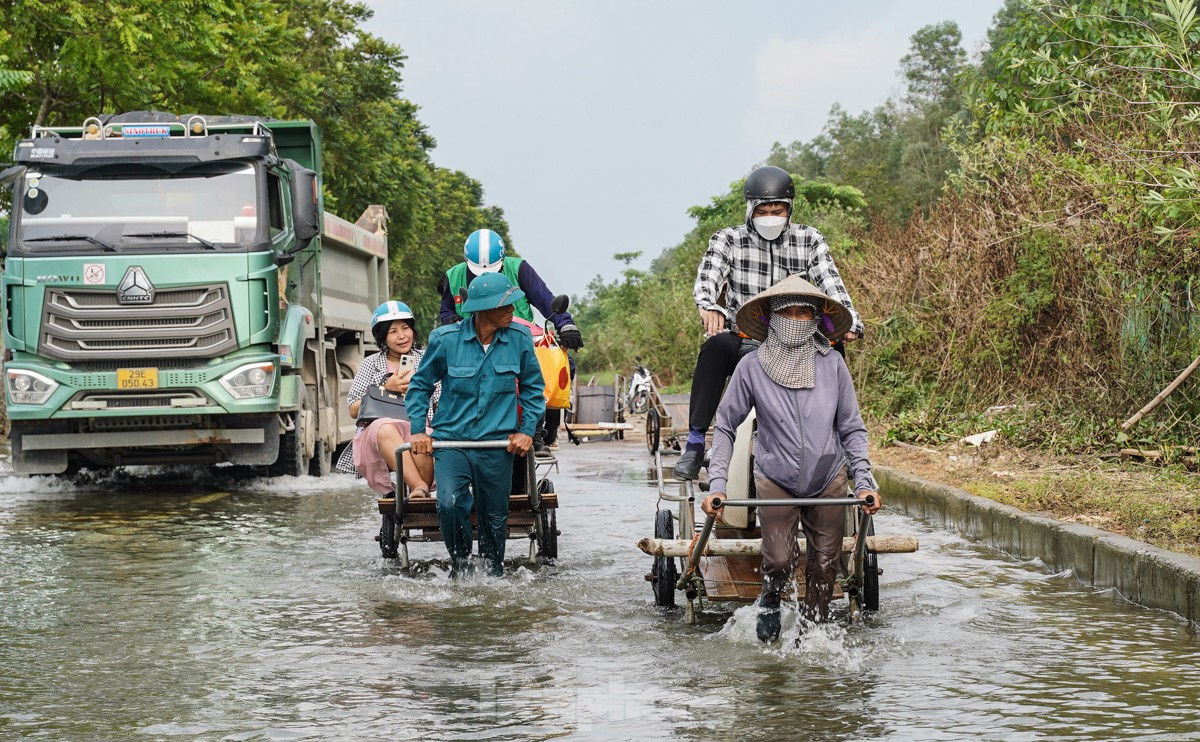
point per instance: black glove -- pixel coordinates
(570, 337)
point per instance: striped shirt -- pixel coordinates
(751, 265)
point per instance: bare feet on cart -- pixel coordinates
(688, 465)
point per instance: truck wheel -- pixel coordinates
(322, 462)
(664, 573)
(291, 461)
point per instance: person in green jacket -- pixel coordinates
(485, 252)
(487, 367)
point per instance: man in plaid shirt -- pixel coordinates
(746, 260)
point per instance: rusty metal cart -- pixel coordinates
(532, 507)
(720, 562)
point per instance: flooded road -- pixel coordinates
(173, 605)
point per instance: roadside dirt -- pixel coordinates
(1151, 503)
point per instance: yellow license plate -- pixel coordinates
(137, 378)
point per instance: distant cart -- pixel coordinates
(666, 420)
(596, 413)
(532, 509)
(717, 562)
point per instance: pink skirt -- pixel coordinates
(368, 462)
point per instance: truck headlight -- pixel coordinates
(251, 380)
(27, 387)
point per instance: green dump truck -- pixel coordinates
(174, 292)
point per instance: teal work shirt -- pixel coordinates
(479, 390)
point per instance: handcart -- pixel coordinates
(720, 562)
(532, 507)
(666, 420)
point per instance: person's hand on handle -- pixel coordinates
(713, 321)
(707, 505)
(849, 337)
(519, 443)
(422, 444)
(871, 509)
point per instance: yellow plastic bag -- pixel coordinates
(556, 372)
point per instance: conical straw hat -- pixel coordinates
(752, 317)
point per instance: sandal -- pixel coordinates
(420, 493)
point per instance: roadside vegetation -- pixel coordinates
(1020, 234)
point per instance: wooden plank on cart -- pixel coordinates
(736, 579)
(516, 504)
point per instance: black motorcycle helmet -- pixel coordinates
(769, 183)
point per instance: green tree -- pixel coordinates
(284, 59)
(896, 153)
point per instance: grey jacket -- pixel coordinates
(805, 436)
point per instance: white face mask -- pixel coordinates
(770, 227)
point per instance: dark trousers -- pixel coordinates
(479, 479)
(718, 357)
(823, 535)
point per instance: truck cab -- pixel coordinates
(174, 293)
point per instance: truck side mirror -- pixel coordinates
(560, 304)
(306, 216)
(11, 174)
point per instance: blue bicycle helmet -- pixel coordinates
(385, 314)
(484, 252)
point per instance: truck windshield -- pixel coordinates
(114, 208)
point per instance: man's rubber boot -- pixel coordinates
(688, 465)
(769, 622)
(540, 449)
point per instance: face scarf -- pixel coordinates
(787, 355)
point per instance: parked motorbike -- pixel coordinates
(637, 399)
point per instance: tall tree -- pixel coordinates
(276, 58)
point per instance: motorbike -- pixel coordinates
(637, 399)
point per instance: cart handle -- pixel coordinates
(535, 499)
(694, 554)
(794, 502)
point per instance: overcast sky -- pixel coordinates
(595, 124)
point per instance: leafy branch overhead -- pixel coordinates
(62, 62)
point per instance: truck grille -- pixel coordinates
(160, 398)
(191, 322)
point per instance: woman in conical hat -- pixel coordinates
(809, 431)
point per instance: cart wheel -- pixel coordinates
(640, 402)
(664, 574)
(548, 543)
(871, 583)
(389, 545)
(653, 431)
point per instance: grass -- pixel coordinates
(1159, 505)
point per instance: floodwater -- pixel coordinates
(170, 605)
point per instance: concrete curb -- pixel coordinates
(1142, 573)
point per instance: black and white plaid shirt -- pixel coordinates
(370, 373)
(751, 265)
